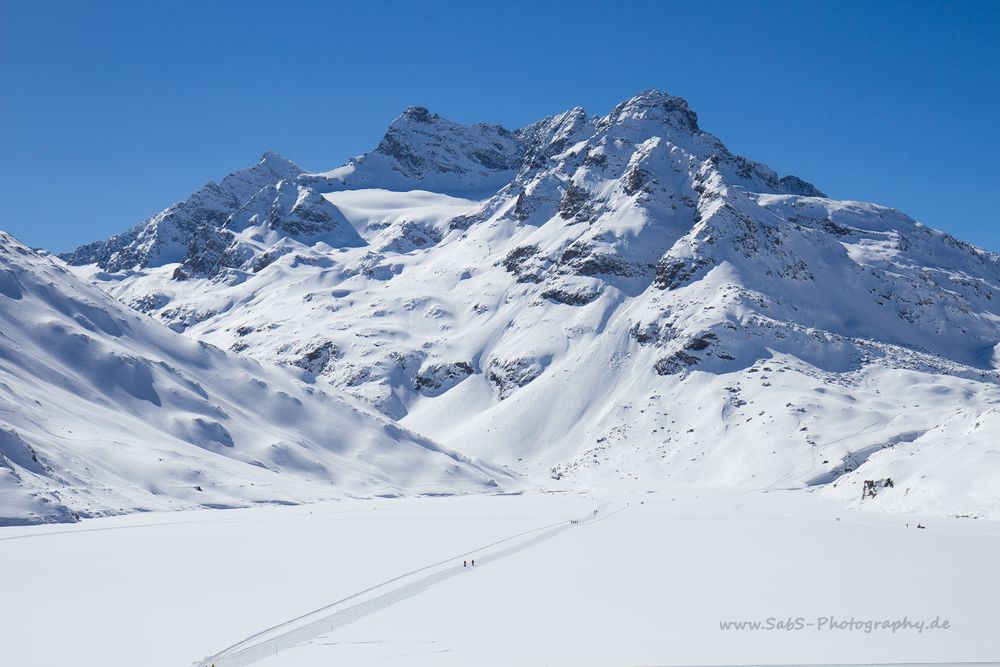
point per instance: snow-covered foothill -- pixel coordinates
(105, 410)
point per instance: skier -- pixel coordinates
(465, 563)
(473, 562)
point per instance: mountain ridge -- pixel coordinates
(470, 158)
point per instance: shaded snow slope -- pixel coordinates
(104, 410)
(598, 298)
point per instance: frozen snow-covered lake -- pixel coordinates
(646, 581)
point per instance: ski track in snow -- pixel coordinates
(327, 619)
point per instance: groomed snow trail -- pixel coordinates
(371, 600)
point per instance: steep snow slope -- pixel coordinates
(104, 410)
(593, 298)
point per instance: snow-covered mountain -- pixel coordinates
(104, 410)
(166, 237)
(597, 298)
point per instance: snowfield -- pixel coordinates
(646, 581)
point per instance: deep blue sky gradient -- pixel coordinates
(111, 111)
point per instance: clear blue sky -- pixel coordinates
(111, 111)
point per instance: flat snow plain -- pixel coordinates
(645, 581)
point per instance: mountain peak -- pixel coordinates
(165, 237)
(419, 114)
(273, 158)
(654, 105)
(274, 164)
(423, 150)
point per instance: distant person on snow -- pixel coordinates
(473, 562)
(465, 563)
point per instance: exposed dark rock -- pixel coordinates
(210, 250)
(595, 159)
(577, 298)
(645, 334)
(523, 207)
(318, 358)
(575, 251)
(508, 375)
(700, 342)
(834, 228)
(151, 302)
(635, 180)
(575, 204)
(598, 263)
(581, 259)
(264, 260)
(462, 221)
(436, 379)
(419, 114)
(871, 487)
(797, 270)
(677, 362)
(304, 260)
(796, 186)
(673, 273)
(516, 262)
(184, 316)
